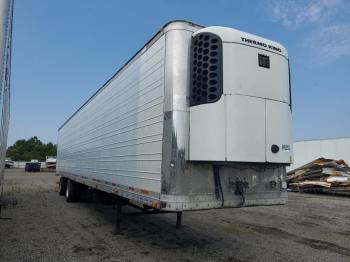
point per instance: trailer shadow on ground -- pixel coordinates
(155, 232)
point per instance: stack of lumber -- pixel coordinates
(326, 175)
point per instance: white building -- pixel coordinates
(307, 150)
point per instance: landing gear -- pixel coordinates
(120, 202)
(118, 217)
(178, 219)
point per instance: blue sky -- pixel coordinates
(64, 50)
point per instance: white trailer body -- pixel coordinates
(199, 118)
(6, 12)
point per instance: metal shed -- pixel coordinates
(307, 150)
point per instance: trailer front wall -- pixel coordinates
(117, 136)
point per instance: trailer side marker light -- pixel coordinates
(144, 192)
(154, 204)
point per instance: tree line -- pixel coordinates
(33, 148)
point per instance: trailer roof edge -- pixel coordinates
(148, 43)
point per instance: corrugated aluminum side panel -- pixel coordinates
(117, 136)
(6, 12)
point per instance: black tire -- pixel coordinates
(71, 191)
(62, 186)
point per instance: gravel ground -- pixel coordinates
(38, 225)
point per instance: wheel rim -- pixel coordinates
(67, 190)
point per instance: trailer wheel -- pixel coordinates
(71, 191)
(62, 186)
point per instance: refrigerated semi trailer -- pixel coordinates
(198, 118)
(6, 14)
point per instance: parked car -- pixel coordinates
(9, 163)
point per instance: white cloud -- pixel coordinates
(329, 43)
(328, 38)
(293, 13)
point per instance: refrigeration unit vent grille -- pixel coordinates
(206, 69)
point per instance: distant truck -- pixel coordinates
(33, 166)
(198, 118)
(51, 162)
